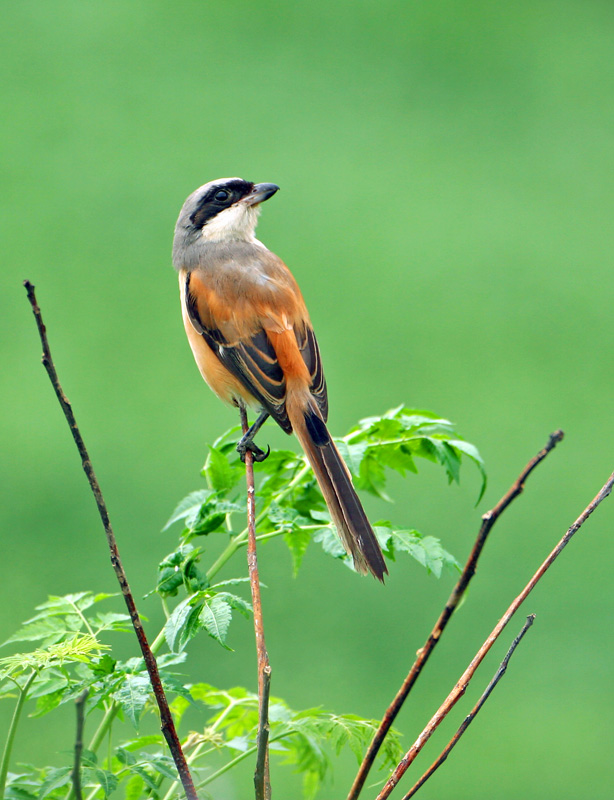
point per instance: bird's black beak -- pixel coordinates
(260, 193)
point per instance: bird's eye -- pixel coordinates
(221, 196)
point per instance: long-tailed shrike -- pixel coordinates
(252, 339)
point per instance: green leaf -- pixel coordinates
(132, 696)
(50, 630)
(135, 786)
(276, 471)
(188, 507)
(164, 765)
(111, 621)
(331, 544)
(298, 542)
(215, 616)
(471, 451)
(212, 515)
(372, 476)
(103, 666)
(180, 569)
(352, 454)
(78, 649)
(48, 702)
(139, 742)
(108, 782)
(183, 624)
(218, 471)
(55, 779)
(234, 601)
(396, 438)
(427, 550)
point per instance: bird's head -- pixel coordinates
(222, 210)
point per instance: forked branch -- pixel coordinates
(488, 521)
(167, 724)
(459, 689)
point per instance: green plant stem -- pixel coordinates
(233, 763)
(10, 737)
(104, 727)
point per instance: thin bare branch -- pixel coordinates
(262, 781)
(167, 724)
(459, 689)
(422, 656)
(474, 711)
(76, 770)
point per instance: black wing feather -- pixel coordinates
(254, 364)
(310, 351)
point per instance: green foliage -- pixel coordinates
(70, 632)
(291, 506)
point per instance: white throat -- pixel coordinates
(235, 223)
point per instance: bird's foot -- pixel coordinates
(248, 444)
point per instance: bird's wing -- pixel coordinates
(310, 353)
(261, 333)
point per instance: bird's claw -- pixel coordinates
(258, 454)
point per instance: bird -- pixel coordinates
(250, 332)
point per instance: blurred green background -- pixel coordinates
(446, 205)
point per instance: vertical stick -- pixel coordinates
(76, 776)
(166, 719)
(262, 781)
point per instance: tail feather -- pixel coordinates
(335, 482)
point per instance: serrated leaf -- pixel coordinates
(103, 666)
(142, 741)
(164, 765)
(183, 624)
(234, 601)
(48, 702)
(135, 786)
(179, 706)
(180, 568)
(212, 515)
(372, 476)
(218, 471)
(189, 506)
(330, 542)
(132, 696)
(151, 782)
(298, 542)
(472, 452)
(50, 630)
(111, 621)
(352, 454)
(108, 782)
(170, 659)
(55, 778)
(215, 616)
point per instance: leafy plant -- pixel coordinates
(70, 631)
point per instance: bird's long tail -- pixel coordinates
(334, 480)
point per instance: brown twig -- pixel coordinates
(167, 724)
(262, 781)
(473, 713)
(76, 776)
(422, 656)
(459, 689)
